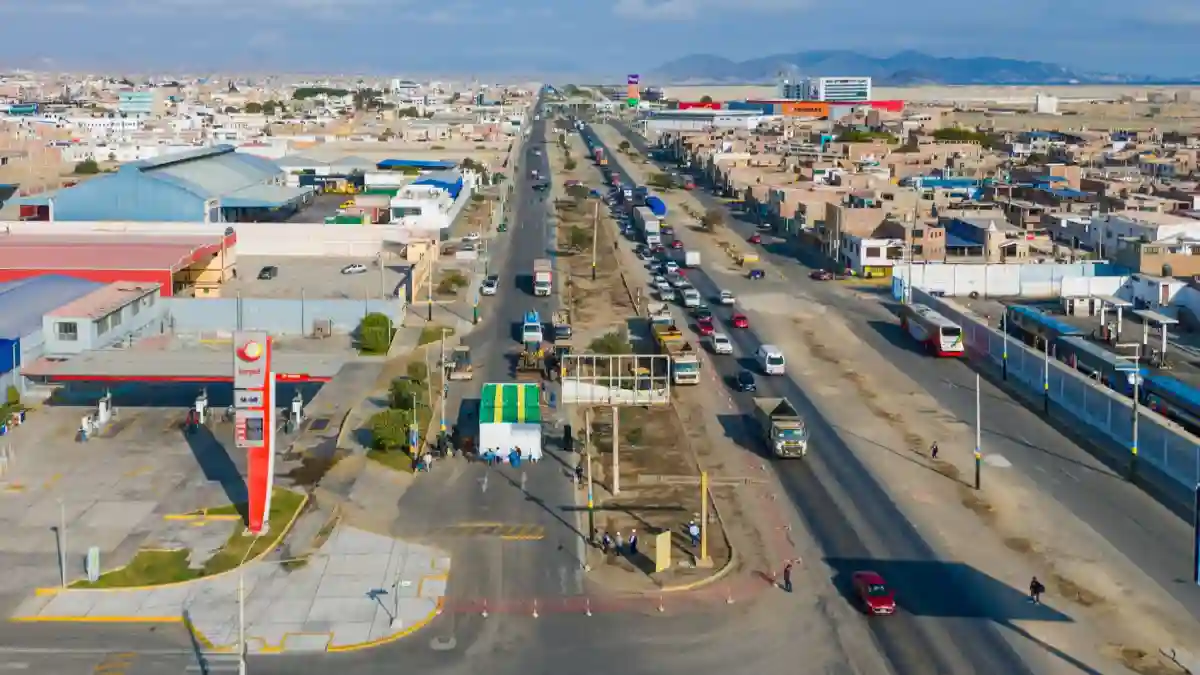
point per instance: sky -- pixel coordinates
(603, 39)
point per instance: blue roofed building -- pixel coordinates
(211, 185)
(22, 305)
(417, 164)
(433, 201)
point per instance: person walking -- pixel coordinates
(428, 460)
(787, 577)
(618, 543)
(605, 543)
(933, 450)
(1035, 591)
(633, 542)
(694, 532)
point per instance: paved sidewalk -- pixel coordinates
(344, 597)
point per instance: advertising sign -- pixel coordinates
(249, 428)
(631, 102)
(250, 360)
(632, 79)
(254, 420)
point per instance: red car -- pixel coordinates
(704, 325)
(874, 593)
(755, 239)
(740, 321)
(675, 243)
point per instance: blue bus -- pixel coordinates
(1037, 327)
(1099, 364)
(1174, 400)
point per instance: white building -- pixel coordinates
(703, 120)
(1107, 229)
(1044, 104)
(870, 257)
(832, 89)
(429, 203)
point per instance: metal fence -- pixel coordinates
(1161, 443)
(610, 379)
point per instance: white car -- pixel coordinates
(659, 279)
(727, 298)
(720, 343)
(354, 268)
(471, 236)
(681, 282)
(666, 294)
(671, 267)
(489, 286)
(663, 286)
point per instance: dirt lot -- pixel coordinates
(598, 306)
(660, 492)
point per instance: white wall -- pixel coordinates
(994, 280)
(280, 239)
(1088, 287)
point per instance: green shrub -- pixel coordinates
(389, 429)
(610, 343)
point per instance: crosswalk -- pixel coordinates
(117, 663)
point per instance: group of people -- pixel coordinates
(513, 457)
(618, 544)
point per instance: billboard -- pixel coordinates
(632, 79)
(633, 92)
(254, 420)
(804, 109)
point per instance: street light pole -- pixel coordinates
(1004, 357)
(433, 253)
(978, 432)
(241, 623)
(445, 386)
(587, 442)
(62, 541)
(595, 226)
(1046, 376)
(1134, 372)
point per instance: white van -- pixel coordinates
(691, 297)
(770, 359)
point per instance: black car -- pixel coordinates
(745, 381)
(269, 272)
(541, 187)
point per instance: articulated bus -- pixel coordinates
(941, 336)
(1172, 399)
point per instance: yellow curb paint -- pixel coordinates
(395, 636)
(40, 592)
(283, 533)
(227, 517)
(97, 619)
(182, 516)
(717, 576)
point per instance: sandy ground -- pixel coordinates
(933, 93)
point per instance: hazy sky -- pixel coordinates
(596, 37)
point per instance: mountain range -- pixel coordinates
(909, 68)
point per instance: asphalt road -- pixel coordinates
(1151, 536)
(943, 627)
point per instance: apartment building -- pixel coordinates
(985, 240)
(1174, 256)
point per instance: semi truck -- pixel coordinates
(782, 428)
(649, 224)
(543, 276)
(691, 258)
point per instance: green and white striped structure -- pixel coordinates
(510, 416)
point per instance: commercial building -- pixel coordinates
(194, 264)
(23, 304)
(108, 315)
(141, 103)
(205, 185)
(828, 89)
(702, 120)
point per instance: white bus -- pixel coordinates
(941, 336)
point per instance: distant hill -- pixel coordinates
(908, 68)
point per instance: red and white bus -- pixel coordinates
(941, 336)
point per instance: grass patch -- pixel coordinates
(227, 510)
(158, 567)
(431, 334)
(396, 460)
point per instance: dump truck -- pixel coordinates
(543, 275)
(783, 429)
(666, 336)
(561, 323)
(685, 364)
(459, 365)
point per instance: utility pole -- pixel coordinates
(978, 432)
(595, 228)
(445, 383)
(433, 254)
(587, 450)
(908, 281)
(62, 541)
(704, 559)
(1004, 356)
(1134, 372)
(241, 623)
(616, 467)
(1046, 376)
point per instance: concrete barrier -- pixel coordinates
(1107, 416)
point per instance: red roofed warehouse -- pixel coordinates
(180, 264)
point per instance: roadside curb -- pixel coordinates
(54, 590)
(726, 569)
(388, 639)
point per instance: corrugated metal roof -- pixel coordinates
(300, 161)
(264, 196)
(104, 301)
(20, 252)
(432, 164)
(219, 175)
(24, 302)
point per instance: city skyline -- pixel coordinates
(542, 37)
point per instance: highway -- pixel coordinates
(1151, 536)
(856, 524)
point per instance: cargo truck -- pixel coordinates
(542, 277)
(691, 259)
(685, 363)
(660, 314)
(783, 429)
(561, 322)
(459, 365)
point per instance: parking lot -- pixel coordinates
(323, 206)
(117, 491)
(315, 278)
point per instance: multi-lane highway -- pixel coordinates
(1153, 538)
(856, 524)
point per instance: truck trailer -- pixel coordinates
(543, 276)
(782, 428)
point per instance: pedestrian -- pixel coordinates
(1035, 591)
(633, 542)
(428, 460)
(618, 543)
(694, 532)
(579, 473)
(933, 450)
(787, 577)
(605, 543)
